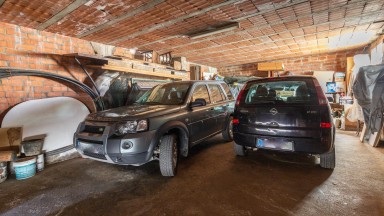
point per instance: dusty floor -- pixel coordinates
(212, 181)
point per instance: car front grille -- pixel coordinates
(95, 155)
(94, 129)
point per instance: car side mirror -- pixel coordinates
(198, 102)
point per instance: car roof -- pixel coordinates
(295, 77)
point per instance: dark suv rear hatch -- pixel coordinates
(286, 107)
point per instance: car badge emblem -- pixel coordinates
(101, 129)
(273, 111)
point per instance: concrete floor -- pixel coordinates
(212, 181)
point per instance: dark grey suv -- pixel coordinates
(288, 114)
(165, 122)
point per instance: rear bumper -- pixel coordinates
(302, 145)
(106, 147)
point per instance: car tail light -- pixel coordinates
(325, 125)
(240, 96)
(320, 94)
(235, 121)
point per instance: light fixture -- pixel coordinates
(215, 30)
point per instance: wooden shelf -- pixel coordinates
(137, 71)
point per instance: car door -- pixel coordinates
(200, 117)
(219, 105)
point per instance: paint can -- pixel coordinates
(3, 171)
(40, 162)
(25, 167)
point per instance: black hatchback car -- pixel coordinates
(284, 114)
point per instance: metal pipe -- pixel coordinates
(89, 76)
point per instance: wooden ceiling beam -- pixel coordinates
(57, 17)
(121, 18)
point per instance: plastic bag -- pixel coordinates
(354, 113)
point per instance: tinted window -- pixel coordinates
(201, 91)
(217, 94)
(285, 91)
(227, 91)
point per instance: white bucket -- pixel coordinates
(3, 171)
(25, 167)
(40, 162)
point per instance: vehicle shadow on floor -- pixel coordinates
(211, 181)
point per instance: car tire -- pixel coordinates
(240, 150)
(169, 153)
(228, 132)
(328, 160)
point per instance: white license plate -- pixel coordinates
(277, 144)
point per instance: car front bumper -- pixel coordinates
(106, 147)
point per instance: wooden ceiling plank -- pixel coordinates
(120, 18)
(171, 22)
(57, 17)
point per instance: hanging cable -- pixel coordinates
(99, 104)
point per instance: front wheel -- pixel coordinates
(169, 153)
(328, 160)
(228, 132)
(239, 149)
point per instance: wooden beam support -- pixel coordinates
(71, 7)
(171, 22)
(120, 18)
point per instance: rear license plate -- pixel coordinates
(277, 144)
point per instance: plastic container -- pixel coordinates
(40, 162)
(32, 147)
(3, 171)
(25, 167)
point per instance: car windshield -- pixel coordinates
(284, 91)
(165, 94)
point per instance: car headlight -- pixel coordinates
(131, 127)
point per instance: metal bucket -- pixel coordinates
(3, 171)
(40, 162)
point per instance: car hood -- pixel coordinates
(133, 112)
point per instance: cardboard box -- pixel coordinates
(7, 156)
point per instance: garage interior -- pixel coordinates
(61, 60)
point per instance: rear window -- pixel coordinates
(280, 91)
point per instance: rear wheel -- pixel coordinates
(240, 150)
(169, 153)
(228, 132)
(328, 160)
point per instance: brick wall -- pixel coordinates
(26, 48)
(335, 61)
